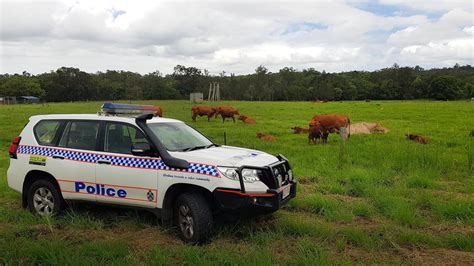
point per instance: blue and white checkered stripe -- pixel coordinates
(143, 163)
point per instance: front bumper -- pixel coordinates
(253, 203)
(277, 177)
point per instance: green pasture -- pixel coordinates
(378, 199)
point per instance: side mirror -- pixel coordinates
(141, 149)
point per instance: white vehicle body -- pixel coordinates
(120, 178)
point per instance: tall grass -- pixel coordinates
(365, 199)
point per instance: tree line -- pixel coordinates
(288, 84)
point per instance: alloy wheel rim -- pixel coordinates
(186, 221)
(43, 201)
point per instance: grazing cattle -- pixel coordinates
(203, 110)
(158, 111)
(316, 133)
(300, 130)
(331, 123)
(418, 138)
(226, 112)
(266, 137)
(472, 133)
(247, 120)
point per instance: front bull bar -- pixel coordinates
(281, 160)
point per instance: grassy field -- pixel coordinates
(378, 199)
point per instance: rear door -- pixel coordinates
(123, 178)
(72, 162)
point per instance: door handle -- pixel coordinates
(58, 157)
(104, 162)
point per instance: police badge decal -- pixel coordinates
(150, 196)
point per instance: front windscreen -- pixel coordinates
(179, 136)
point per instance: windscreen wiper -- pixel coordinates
(212, 145)
(200, 147)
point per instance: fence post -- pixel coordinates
(343, 156)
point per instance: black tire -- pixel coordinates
(201, 218)
(52, 195)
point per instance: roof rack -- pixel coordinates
(128, 110)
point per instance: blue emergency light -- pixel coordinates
(128, 109)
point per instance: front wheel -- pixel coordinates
(193, 217)
(44, 198)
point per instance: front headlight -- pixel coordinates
(249, 175)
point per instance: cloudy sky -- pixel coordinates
(234, 36)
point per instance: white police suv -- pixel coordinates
(126, 156)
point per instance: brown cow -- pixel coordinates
(331, 123)
(226, 112)
(472, 133)
(300, 130)
(418, 138)
(158, 111)
(247, 119)
(266, 137)
(316, 133)
(201, 110)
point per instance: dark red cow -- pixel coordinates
(316, 133)
(202, 110)
(300, 130)
(247, 119)
(158, 111)
(418, 138)
(331, 123)
(226, 112)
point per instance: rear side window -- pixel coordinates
(45, 131)
(80, 135)
(120, 137)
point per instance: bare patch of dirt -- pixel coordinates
(410, 256)
(42, 229)
(448, 195)
(10, 204)
(370, 257)
(5, 226)
(283, 249)
(138, 240)
(442, 256)
(306, 181)
(361, 223)
(345, 198)
(146, 238)
(452, 228)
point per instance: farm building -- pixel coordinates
(19, 100)
(196, 97)
(27, 99)
(7, 100)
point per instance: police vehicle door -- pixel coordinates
(72, 163)
(123, 178)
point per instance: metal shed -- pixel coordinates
(196, 97)
(27, 99)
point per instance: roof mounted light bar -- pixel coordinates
(121, 109)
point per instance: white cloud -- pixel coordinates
(452, 50)
(469, 30)
(235, 36)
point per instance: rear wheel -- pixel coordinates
(44, 198)
(193, 218)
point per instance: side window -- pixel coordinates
(120, 137)
(80, 135)
(45, 131)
